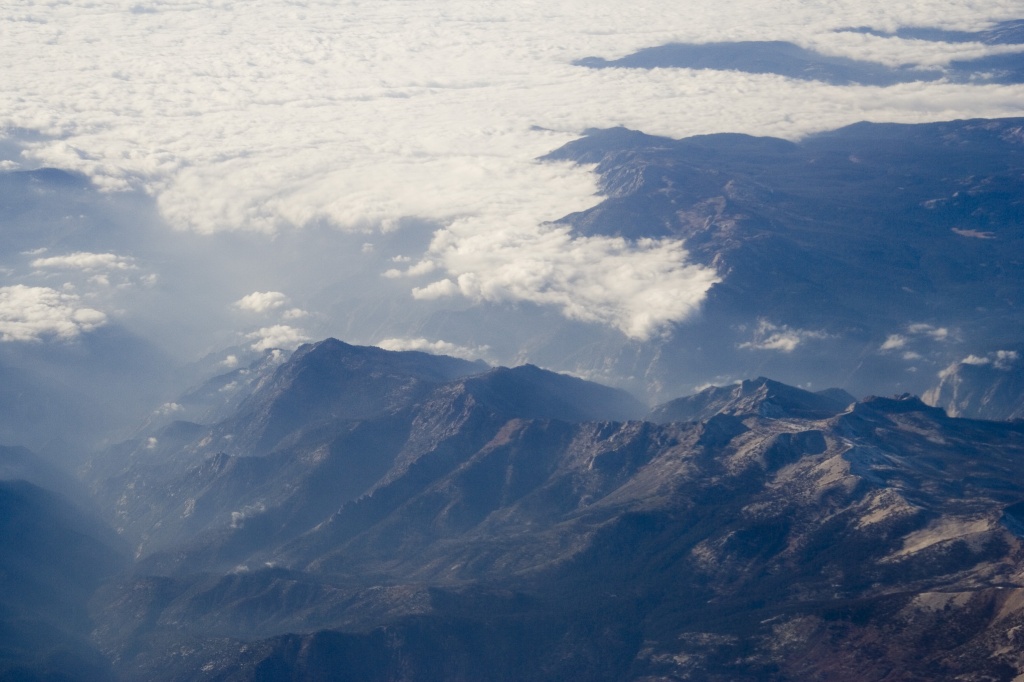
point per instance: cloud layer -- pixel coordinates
(267, 115)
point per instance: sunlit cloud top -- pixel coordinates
(35, 313)
(268, 115)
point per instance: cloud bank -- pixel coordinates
(269, 115)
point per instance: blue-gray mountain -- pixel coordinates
(986, 387)
(54, 553)
(792, 61)
(377, 516)
(352, 513)
(870, 257)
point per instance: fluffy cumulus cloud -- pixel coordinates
(261, 301)
(34, 313)
(639, 287)
(1001, 359)
(277, 336)
(270, 114)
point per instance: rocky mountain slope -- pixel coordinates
(867, 257)
(433, 519)
(985, 387)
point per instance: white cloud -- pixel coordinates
(769, 336)
(640, 287)
(261, 301)
(424, 267)
(1000, 359)
(913, 334)
(436, 347)
(277, 336)
(87, 262)
(1005, 359)
(271, 114)
(975, 360)
(169, 408)
(932, 332)
(32, 313)
(893, 342)
(896, 52)
(435, 290)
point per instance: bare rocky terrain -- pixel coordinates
(422, 506)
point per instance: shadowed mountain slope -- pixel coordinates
(870, 257)
(774, 534)
(52, 558)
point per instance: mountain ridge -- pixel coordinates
(632, 549)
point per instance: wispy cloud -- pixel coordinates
(915, 333)
(780, 337)
(88, 262)
(438, 347)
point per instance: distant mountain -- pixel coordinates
(331, 424)
(775, 57)
(762, 397)
(869, 257)
(426, 521)
(982, 387)
(52, 558)
(64, 398)
(792, 61)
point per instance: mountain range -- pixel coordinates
(368, 514)
(870, 257)
(348, 512)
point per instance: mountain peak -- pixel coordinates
(760, 397)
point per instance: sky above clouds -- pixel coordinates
(268, 116)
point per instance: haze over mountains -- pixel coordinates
(871, 258)
(369, 514)
(477, 341)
